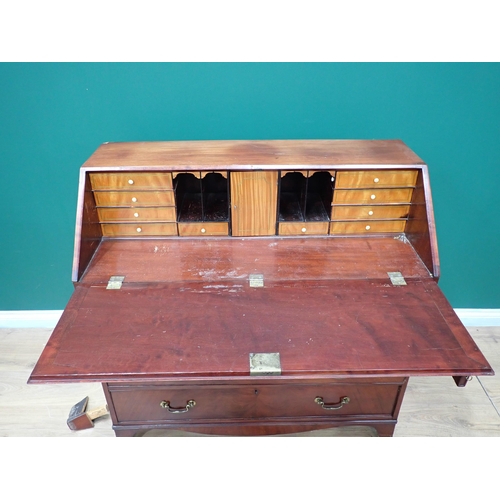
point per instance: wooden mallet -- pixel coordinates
(80, 419)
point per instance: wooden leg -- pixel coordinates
(385, 430)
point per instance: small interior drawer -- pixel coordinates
(140, 229)
(203, 228)
(302, 228)
(137, 214)
(134, 198)
(354, 196)
(366, 227)
(349, 212)
(375, 178)
(131, 180)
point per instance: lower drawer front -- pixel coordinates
(252, 401)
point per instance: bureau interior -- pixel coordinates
(346, 203)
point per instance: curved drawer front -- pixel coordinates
(131, 180)
(159, 404)
(375, 178)
(373, 196)
(134, 198)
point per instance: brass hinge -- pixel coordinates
(115, 282)
(397, 279)
(256, 280)
(265, 363)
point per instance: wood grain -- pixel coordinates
(208, 330)
(218, 155)
(254, 203)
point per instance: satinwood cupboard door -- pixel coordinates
(253, 203)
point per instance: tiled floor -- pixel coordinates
(433, 406)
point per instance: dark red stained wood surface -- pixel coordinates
(202, 155)
(200, 329)
(226, 259)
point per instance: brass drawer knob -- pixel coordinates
(190, 404)
(336, 406)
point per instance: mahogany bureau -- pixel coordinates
(256, 287)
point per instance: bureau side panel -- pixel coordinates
(420, 228)
(88, 232)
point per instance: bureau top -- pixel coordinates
(247, 154)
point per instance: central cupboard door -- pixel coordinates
(253, 203)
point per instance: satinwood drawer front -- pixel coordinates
(140, 229)
(203, 228)
(375, 178)
(343, 212)
(354, 196)
(376, 226)
(134, 198)
(294, 228)
(131, 180)
(157, 403)
(137, 214)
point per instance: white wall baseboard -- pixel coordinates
(49, 319)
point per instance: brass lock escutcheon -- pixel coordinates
(190, 404)
(336, 406)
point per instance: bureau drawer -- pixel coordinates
(131, 180)
(376, 226)
(295, 228)
(134, 198)
(375, 178)
(342, 212)
(137, 214)
(160, 404)
(144, 229)
(353, 196)
(203, 228)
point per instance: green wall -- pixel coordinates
(53, 116)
